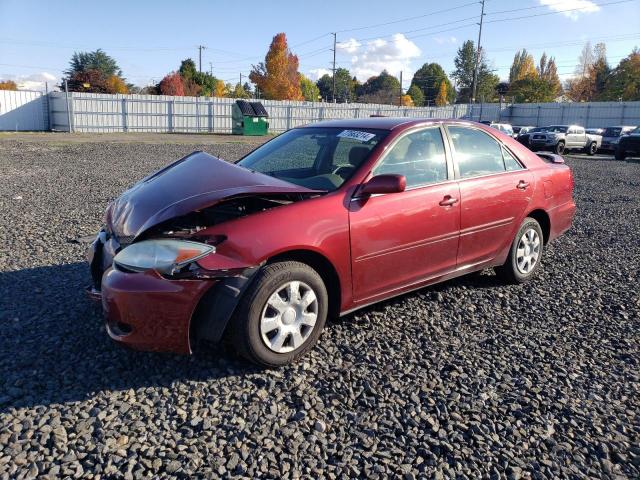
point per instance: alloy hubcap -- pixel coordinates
(289, 317)
(528, 251)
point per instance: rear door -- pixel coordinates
(400, 239)
(495, 191)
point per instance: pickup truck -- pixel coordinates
(558, 138)
(628, 145)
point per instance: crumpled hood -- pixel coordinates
(196, 181)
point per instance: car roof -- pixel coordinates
(383, 123)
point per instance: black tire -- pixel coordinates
(559, 148)
(510, 272)
(244, 330)
(619, 154)
(591, 149)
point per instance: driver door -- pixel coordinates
(401, 239)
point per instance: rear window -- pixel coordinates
(612, 132)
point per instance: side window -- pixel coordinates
(510, 162)
(476, 152)
(419, 156)
(579, 131)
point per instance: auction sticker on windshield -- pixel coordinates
(357, 135)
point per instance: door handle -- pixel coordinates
(447, 201)
(522, 185)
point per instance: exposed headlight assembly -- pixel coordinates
(167, 256)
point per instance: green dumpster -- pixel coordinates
(249, 118)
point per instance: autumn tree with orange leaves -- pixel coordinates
(277, 77)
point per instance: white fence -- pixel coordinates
(22, 110)
(160, 113)
(92, 112)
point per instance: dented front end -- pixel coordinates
(159, 309)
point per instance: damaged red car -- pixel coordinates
(316, 223)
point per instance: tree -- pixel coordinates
(407, 101)
(172, 85)
(416, 95)
(345, 86)
(97, 69)
(310, 90)
(548, 71)
(465, 63)
(220, 90)
(238, 92)
(187, 69)
(115, 84)
(624, 81)
(97, 60)
(428, 79)
(442, 98)
(247, 88)
(8, 85)
(277, 77)
(591, 74)
(522, 67)
(383, 88)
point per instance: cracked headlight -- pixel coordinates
(167, 256)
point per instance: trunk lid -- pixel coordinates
(196, 181)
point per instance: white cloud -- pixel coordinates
(443, 40)
(576, 7)
(316, 73)
(393, 55)
(34, 81)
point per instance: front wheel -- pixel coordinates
(281, 315)
(559, 148)
(525, 253)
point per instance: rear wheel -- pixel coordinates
(619, 154)
(559, 148)
(525, 254)
(281, 315)
(592, 148)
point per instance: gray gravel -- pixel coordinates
(467, 379)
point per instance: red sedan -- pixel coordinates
(316, 223)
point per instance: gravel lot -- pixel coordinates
(467, 379)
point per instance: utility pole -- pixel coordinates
(475, 70)
(211, 69)
(400, 102)
(241, 79)
(333, 95)
(200, 48)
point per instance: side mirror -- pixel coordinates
(389, 183)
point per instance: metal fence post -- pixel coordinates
(288, 117)
(321, 113)
(538, 117)
(210, 117)
(586, 120)
(622, 121)
(125, 126)
(170, 115)
(562, 114)
(69, 100)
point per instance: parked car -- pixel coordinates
(558, 138)
(318, 222)
(504, 128)
(594, 131)
(611, 136)
(518, 129)
(628, 145)
(524, 136)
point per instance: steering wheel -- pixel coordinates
(345, 166)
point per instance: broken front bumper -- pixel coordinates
(148, 312)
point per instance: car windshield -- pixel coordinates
(612, 132)
(557, 129)
(320, 158)
(537, 129)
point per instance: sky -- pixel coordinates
(148, 39)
